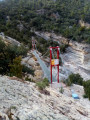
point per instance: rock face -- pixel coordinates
(22, 101)
(31, 62)
(83, 24)
(3, 116)
(76, 59)
(75, 62)
(9, 40)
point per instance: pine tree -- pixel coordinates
(16, 67)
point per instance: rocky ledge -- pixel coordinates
(23, 101)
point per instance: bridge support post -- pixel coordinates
(50, 63)
(58, 64)
(33, 43)
(54, 62)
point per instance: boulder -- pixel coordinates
(3, 116)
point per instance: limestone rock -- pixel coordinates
(76, 59)
(38, 74)
(24, 101)
(3, 116)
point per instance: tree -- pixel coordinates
(16, 67)
(87, 88)
(75, 78)
(3, 58)
(21, 50)
(2, 45)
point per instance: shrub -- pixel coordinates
(82, 28)
(46, 81)
(85, 96)
(68, 82)
(21, 50)
(88, 40)
(29, 79)
(16, 67)
(2, 46)
(41, 85)
(63, 48)
(7, 54)
(25, 69)
(76, 79)
(61, 90)
(86, 85)
(60, 61)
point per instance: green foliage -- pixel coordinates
(21, 51)
(46, 81)
(82, 28)
(43, 45)
(60, 61)
(7, 54)
(2, 45)
(16, 67)
(41, 85)
(27, 70)
(76, 79)
(85, 96)
(63, 48)
(67, 33)
(88, 40)
(61, 90)
(4, 59)
(86, 85)
(61, 16)
(29, 79)
(68, 82)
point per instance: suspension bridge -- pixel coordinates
(44, 68)
(53, 62)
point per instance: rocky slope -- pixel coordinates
(22, 101)
(32, 62)
(9, 40)
(76, 59)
